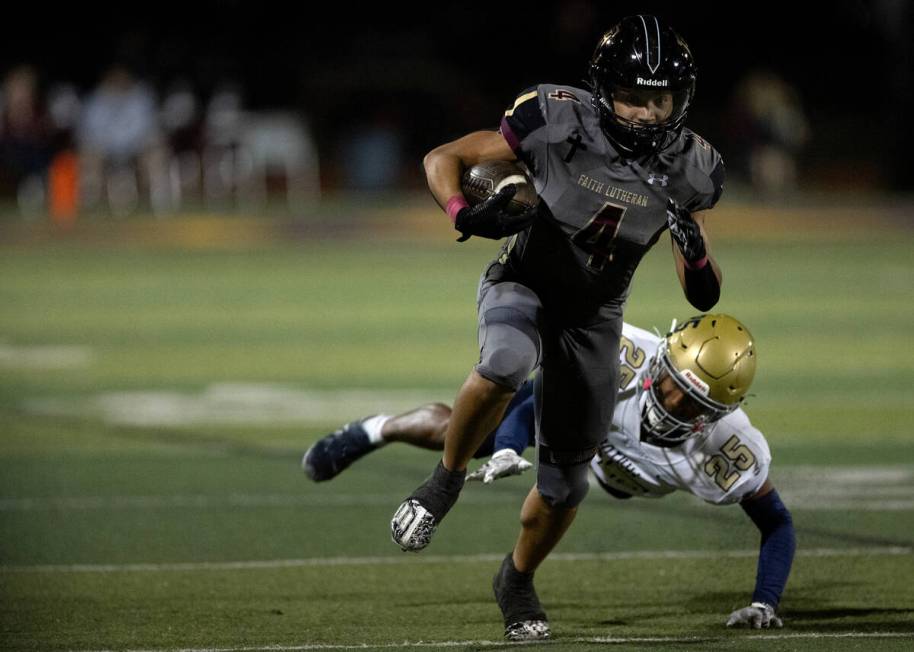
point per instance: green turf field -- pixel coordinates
(155, 403)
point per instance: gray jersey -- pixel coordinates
(604, 212)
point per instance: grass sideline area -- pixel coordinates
(415, 217)
(158, 386)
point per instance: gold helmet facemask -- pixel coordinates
(711, 359)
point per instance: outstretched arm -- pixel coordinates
(699, 274)
(778, 545)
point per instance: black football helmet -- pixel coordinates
(642, 76)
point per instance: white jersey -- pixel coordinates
(723, 465)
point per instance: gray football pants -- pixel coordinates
(575, 389)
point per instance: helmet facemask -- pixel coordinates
(641, 121)
(670, 426)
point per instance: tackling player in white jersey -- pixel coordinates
(710, 450)
(677, 425)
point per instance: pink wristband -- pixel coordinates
(454, 205)
(698, 264)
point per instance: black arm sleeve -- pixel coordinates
(701, 287)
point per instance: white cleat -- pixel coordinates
(525, 619)
(528, 630)
(412, 526)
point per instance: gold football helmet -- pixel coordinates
(711, 360)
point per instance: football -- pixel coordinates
(485, 179)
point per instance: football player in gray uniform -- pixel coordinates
(614, 167)
(677, 426)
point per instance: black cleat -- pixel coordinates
(417, 518)
(329, 456)
(525, 619)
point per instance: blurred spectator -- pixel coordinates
(222, 135)
(245, 152)
(280, 149)
(372, 155)
(25, 140)
(769, 128)
(64, 107)
(181, 120)
(121, 145)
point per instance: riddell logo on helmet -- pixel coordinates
(696, 382)
(652, 82)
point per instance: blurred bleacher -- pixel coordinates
(275, 117)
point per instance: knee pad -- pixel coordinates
(509, 347)
(562, 486)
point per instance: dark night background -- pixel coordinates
(438, 70)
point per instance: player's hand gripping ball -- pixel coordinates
(501, 198)
(485, 179)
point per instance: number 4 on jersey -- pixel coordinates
(596, 237)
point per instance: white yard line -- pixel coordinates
(822, 504)
(559, 641)
(47, 357)
(46, 503)
(191, 500)
(887, 499)
(438, 559)
(262, 404)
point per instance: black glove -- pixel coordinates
(685, 232)
(489, 219)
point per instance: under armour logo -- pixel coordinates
(662, 179)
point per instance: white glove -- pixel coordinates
(502, 463)
(757, 615)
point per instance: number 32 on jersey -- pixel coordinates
(633, 359)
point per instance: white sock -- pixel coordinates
(372, 426)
